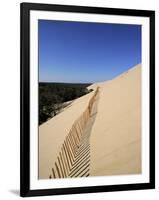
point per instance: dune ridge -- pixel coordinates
(105, 125)
(54, 136)
(75, 148)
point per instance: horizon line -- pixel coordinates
(93, 81)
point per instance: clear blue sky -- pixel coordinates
(86, 52)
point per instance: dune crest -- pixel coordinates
(107, 141)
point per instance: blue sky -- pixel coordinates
(80, 52)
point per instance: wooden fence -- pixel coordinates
(74, 158)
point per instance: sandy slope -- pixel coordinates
(116, 134)
(52, 133)
(115, 138)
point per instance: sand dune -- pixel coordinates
(53, 133)
(116, 134)
(104, 126)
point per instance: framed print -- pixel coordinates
(87, 99)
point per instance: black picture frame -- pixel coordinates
(25, 9)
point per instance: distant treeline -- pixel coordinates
(53, 95)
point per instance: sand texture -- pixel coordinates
(98, 134)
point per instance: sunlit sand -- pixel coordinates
(98, 134)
